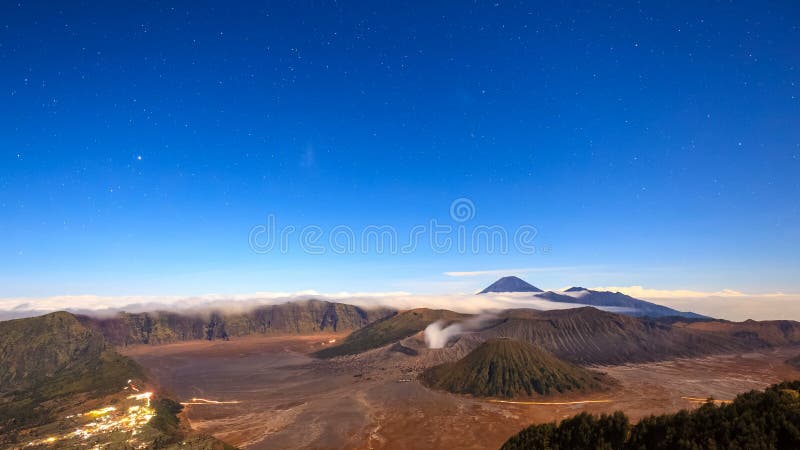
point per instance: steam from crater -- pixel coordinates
(437, 335)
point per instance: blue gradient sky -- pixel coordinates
(654, 145)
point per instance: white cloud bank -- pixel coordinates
(725, 304)
(104, 305)
(641, 292)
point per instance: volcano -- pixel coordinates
(509, 368)
(510, 284)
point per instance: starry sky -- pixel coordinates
(653, 144)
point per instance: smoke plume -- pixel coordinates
(437, 335)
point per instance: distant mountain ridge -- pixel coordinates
(575, 289)
(304, 317)
(632, 306)
(584, 335)
(591, 336)
(510, 284)
(578, 295)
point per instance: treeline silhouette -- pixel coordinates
(754, 420)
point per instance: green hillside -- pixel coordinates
(509, 368)
(55, 355)
(388, 330)
(754, 420)
(54, 369)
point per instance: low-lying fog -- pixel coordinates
(104, 306)
(739, 307)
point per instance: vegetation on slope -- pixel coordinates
(387, 331)
(53, 364)
(36, 348)
(509, 368)
(763, 420)
(54, 357)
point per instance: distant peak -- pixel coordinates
(510, 284)
(576, 289)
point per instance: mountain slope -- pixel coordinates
(54, 355)
(583, 335)
(510, 284)
(54, 369)
(304, 317)
(388, 330)
(591, 336)
(40, 347)
(631, 306)
(509, 368)
(577, 295)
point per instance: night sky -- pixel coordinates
(655, 144)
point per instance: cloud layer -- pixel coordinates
(725, 304)
(641, 292)
(105, 305)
